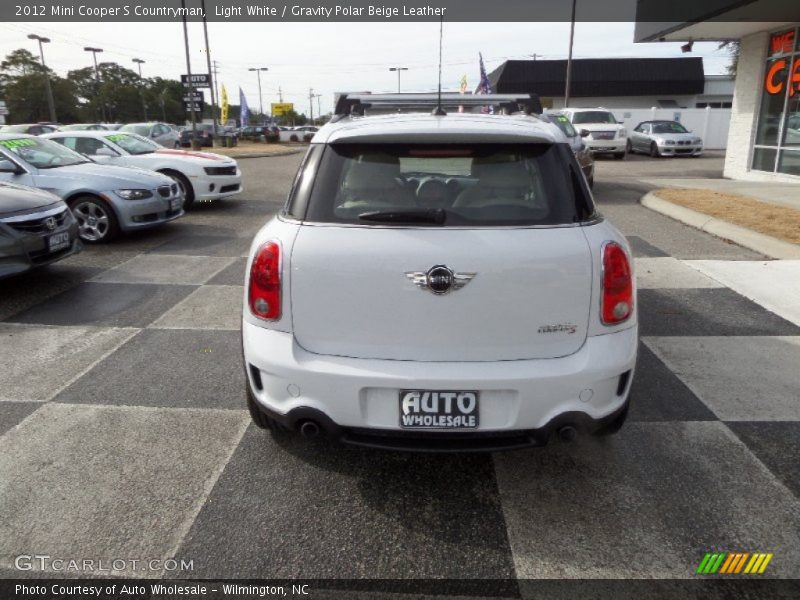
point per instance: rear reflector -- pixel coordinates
(617, 301)
(264, 292)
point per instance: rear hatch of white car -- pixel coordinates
(446, 252)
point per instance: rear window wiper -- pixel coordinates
(437, 216)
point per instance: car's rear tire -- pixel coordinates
(97, 221)
(184, 184)
(654, 150)
(619, 155)
(261, 420)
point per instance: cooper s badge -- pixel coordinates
(440, 279)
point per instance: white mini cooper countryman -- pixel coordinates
(439, 282)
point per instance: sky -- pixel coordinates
(331, 57)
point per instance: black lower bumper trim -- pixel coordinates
(441, 441)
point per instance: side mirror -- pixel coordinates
(584, 133)
(7, 166)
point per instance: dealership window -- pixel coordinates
(777, 140)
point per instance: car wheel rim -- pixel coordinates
(181, 187)
(93, 221)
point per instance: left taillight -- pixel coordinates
(617, 302)
(264, 292)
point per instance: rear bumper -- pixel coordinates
(357, 400)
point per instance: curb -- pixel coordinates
(764, 244)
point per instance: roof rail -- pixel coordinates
(357, 104)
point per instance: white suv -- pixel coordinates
(606, 135)
(439, 282)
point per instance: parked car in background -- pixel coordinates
(36, 227)
(575, 139)
(29, 128)
(480, 301)
(104, 199)
(606, 134)
(308, 128)
(204, 134)
(664, 138)
(201, 176)
(113, 126)
(84, 127)
(160, 133)
(254, 132)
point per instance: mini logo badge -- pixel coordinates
(50, 223)
(440, 279)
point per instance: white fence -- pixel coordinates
(711, 124)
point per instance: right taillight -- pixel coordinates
(264, 293)
(617, 302)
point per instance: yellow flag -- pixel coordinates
(462, 88)
(223, 106)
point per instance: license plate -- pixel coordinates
(175, 203)
(58, 241)
(441, 409)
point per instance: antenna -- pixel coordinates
(439, 111)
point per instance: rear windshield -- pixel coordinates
(465, 185)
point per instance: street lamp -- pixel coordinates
(398, 69)
(94, 52)
(260, 99)
(140, 62)
(50, 104)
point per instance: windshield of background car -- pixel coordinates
(474, 184)
(140, 129)
(133, 144)
(564, 125)
(669, 128)
(42, 154)
(593, 116)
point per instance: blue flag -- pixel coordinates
(484, 87)
(244, 111)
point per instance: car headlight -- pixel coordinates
(134, 194)
(622, 133)
(668, 142)
(697, 141)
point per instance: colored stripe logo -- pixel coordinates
(734, 563)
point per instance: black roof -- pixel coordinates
(595, 77)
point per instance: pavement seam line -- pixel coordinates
(132, 330)
(152, 324)
(186, 525)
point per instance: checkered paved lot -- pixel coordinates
(123, 431)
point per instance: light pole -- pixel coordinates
(140, 62)
(50, 104)
(569, 57)
(195, 141)
(94, 52)
(398, 69)
(212, 77)
(319, 106)
(260, 99)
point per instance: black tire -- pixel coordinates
(614, 426)
(654, 150)
(261, 420)
(177, 145)
(97, 221)
(184, 184)
(629, 147)
(619, 156)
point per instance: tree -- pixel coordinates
(733, 47)
(23, 87)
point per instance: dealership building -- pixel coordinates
(764, 133)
